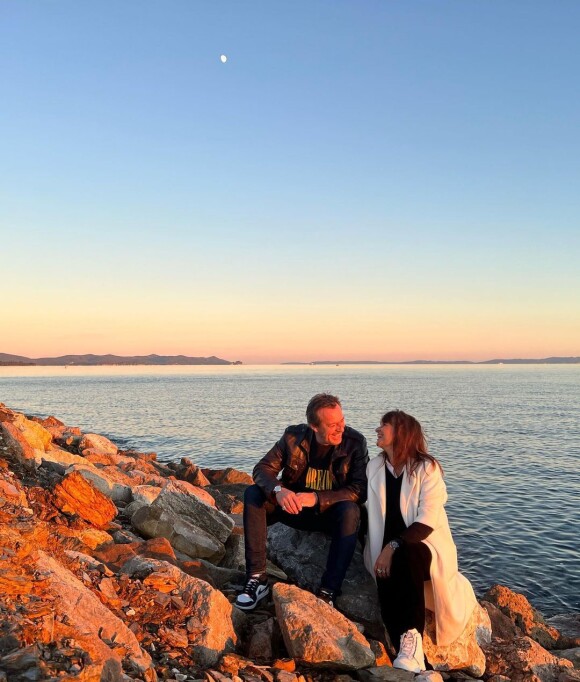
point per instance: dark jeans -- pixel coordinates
(340, 521)
(401, 595)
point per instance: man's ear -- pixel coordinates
(314, 428)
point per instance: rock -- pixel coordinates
(11, 493)
(109, 480)
(569, 675)
(302, 556)
(260, 646)
(429, 676)
(188, 471)
(188, 505)
(519, 610)
(190, 525)
(18, 446)
(211, 631)
(75, 495)
(184, 536)
(145, 494)
(58, 455)
(227, 476)
(381, 655)
(92, 621)
(502, 627)
(572, 655)
(189, 489)
(523, 660)
(569, 626)
(317, 634)
(384, 673)
(92, 441)
(235, 556)
(465, 652)
(230, 498)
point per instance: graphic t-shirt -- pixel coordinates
(318, 474)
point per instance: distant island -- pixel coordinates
(93, 360)
(497, 361)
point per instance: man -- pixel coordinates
(322, 483)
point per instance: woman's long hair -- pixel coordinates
(409, 442)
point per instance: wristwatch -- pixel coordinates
(394, 545)
(277, 489)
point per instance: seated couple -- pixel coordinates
(317, 476)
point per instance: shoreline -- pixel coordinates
(78, 511)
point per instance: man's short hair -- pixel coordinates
(319, 402)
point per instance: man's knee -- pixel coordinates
(254, 496)
(347, 517)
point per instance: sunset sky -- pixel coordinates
(372, 179)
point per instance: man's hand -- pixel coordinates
(383, 562)
(289, 501)
(294, 503)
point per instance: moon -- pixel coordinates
(223, 59)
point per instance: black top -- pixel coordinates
(395, 528)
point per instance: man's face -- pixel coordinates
(330, 427)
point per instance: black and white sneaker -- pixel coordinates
(327, 596)
(256, 588)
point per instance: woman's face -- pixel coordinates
(385, 436)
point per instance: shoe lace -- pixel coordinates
(326, 596)
(252, 587)
(408, 644)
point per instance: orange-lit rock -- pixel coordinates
(523, 660)
(75, 495)
(317, 634)
(519, 610)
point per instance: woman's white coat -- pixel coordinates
(423, 495)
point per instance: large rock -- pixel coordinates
(109, 480)
(35, 434)
(18, 446)
(568, 624)
(89, 618)
(302, 556)
(519, 610)
(465, 652)
(227, 476)
(184, 535)
(523, 660)
(502, 627)
(94, 442)
(211, 627)
(75, 495)
(317, 634)
(173, 499)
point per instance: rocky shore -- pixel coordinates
(115, 567)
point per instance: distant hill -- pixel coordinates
(90, 360)
(506, 361)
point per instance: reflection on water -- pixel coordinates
(507, 437)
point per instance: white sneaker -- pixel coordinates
(256, 588)
(410, 656)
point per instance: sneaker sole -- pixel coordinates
(251, 607)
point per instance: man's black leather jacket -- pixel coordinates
(290, 456)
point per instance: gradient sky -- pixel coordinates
(379, 179)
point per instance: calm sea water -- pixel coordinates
(508, 438)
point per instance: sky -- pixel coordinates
(378, 179)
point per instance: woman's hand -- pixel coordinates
(383, 562)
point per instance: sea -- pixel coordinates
(507, 436)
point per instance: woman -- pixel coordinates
(409, 548)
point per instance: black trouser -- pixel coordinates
(401, 595)
(340, 521)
